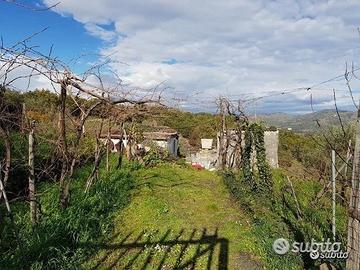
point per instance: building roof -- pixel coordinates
(147, 135)
(160, 135)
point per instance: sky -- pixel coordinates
(202, 50)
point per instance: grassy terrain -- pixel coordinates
(166, 217)
(180, 218)
(56, 241)
(274, 214)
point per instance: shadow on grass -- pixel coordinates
(179, 250)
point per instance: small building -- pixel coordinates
(115, 140)
(167, 140)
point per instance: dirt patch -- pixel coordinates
(244, 261)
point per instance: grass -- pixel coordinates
(56, 241)
(169, 216)
(274, 215)
(179, 217)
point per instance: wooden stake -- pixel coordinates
(353, 243)
(333, 193)
(108, 145)
(2, 191)
(295, 198)
(32, 196)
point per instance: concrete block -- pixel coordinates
(206, 143)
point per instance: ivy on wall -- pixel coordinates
(254, 142)
(246, 158)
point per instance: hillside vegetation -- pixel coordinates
(157, 212)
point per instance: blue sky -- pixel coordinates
(68, 37)
(204, 49)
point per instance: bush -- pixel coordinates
(275, 216)
(155, 156)
(64, 239)
(267, 225)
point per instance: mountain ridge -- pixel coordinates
(308, 122)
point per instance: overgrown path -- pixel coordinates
(178, 218)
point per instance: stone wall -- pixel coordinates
(271, 139)
(210, 158)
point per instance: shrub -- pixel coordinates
(275, 215)
(64, 239)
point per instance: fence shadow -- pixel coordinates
(173, 250)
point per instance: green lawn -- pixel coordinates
(179, 218)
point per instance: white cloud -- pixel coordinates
(238, 48)
(22, 78)
(100, 32)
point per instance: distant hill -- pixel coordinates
(307, 122)
(205, 125)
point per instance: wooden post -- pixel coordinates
(333, 170)
(345, 180)
(353, 243)
(348, 156)
(2, 191)
(299, 213)
(31, 168)
(128, 146)
(98, 155)
(23, 118)
(122, 131)
(63, 146)
(224, 133)
(6, 136)
(108, 145)
(223, 138)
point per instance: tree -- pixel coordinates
(70, 85)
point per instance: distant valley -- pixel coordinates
(308, 122)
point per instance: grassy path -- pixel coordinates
(179, 218)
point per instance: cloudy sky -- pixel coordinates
(205, 49)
